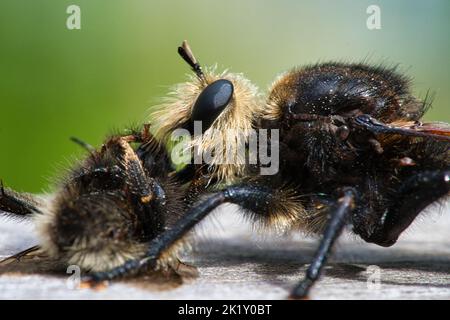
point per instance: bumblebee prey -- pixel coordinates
(106, 210)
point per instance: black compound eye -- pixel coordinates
(211, 102)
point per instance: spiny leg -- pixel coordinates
(135, 175)
(149, 196)
(338, 216)
(17, 204)
(134, 160)
(162, 242)
(254, 198)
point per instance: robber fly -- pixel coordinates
(352, 146)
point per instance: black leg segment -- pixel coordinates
(338, 217)
(17, 204)
(248, 197)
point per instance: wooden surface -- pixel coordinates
(236, 263)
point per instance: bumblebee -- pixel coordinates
(353, 153)
(105, 211)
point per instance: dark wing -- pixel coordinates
(437, 130)
(433, 130)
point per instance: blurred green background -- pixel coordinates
(56, 83)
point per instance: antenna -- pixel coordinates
(186, 53)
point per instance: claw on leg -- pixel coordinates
(301, 291)
(94, 285)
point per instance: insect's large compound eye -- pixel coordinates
(211, 102)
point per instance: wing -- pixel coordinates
(32, 261)
(27, 253)
(438, 130)
(432, 130)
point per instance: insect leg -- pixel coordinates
(338, 216)
(249, 197)
(148, 195)
(135, 176)
(17, 204)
